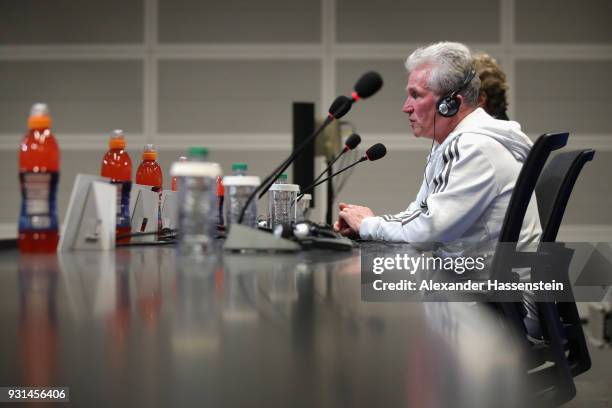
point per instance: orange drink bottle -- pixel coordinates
(39, 163)
(117, 166)
(149, 173)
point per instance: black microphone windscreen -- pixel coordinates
(368, 84)
(375, 152)
(340, 107)
(353, 141)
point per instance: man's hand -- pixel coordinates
(349, 219)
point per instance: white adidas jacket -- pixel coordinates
(465, 194)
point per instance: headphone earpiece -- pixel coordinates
(448, 105)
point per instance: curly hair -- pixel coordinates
(493, 84)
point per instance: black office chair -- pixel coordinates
(550, 369)
(555, 186)
(553, 192)
(505, 256)
(562, 352)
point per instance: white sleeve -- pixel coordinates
(462, 191)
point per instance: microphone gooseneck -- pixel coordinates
(351, 142)
(367, 85)
(338, 109)
(375, 152)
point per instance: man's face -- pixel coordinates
(420, 103)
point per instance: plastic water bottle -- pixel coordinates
(196, 186)
(149, 173)
(238, 187)
(173, 183)
(195, 154)
(39, 164)
(281, 202)
(117, 166)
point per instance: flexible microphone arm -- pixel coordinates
(267, 183)
(330, 165)
(280, 169)
(310, 187)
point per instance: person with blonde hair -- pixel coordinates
(493, 86)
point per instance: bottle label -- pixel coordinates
(123, 202)
(38, 204)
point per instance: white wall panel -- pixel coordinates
(392, 21)
(181, 72)
(563, 21)
(235, 96)
(558, 95)
(239, 21)
(93, 96)
(71, 22)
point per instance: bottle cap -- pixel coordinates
(117, 140)
(39, 117)
(198, 152)
(253, 181)
(282, 177)
(195, 169)
(285, 187)
(240, 167)
(149, 153)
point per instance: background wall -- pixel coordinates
(224, 74)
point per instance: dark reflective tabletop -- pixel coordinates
(146, 327)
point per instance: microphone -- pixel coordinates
(339, 107)
(351, 142)
(366, 86)
(375, 152)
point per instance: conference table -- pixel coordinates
(144, 326)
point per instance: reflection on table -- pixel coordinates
(146, 327)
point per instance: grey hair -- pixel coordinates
(450, 62)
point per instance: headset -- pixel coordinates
(448, 105)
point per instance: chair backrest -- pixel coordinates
(505, 255)
(554, 187)
(553, 191)
(519, 201)
(564, 344)
(526, 182)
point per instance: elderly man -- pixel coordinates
(472, 167)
